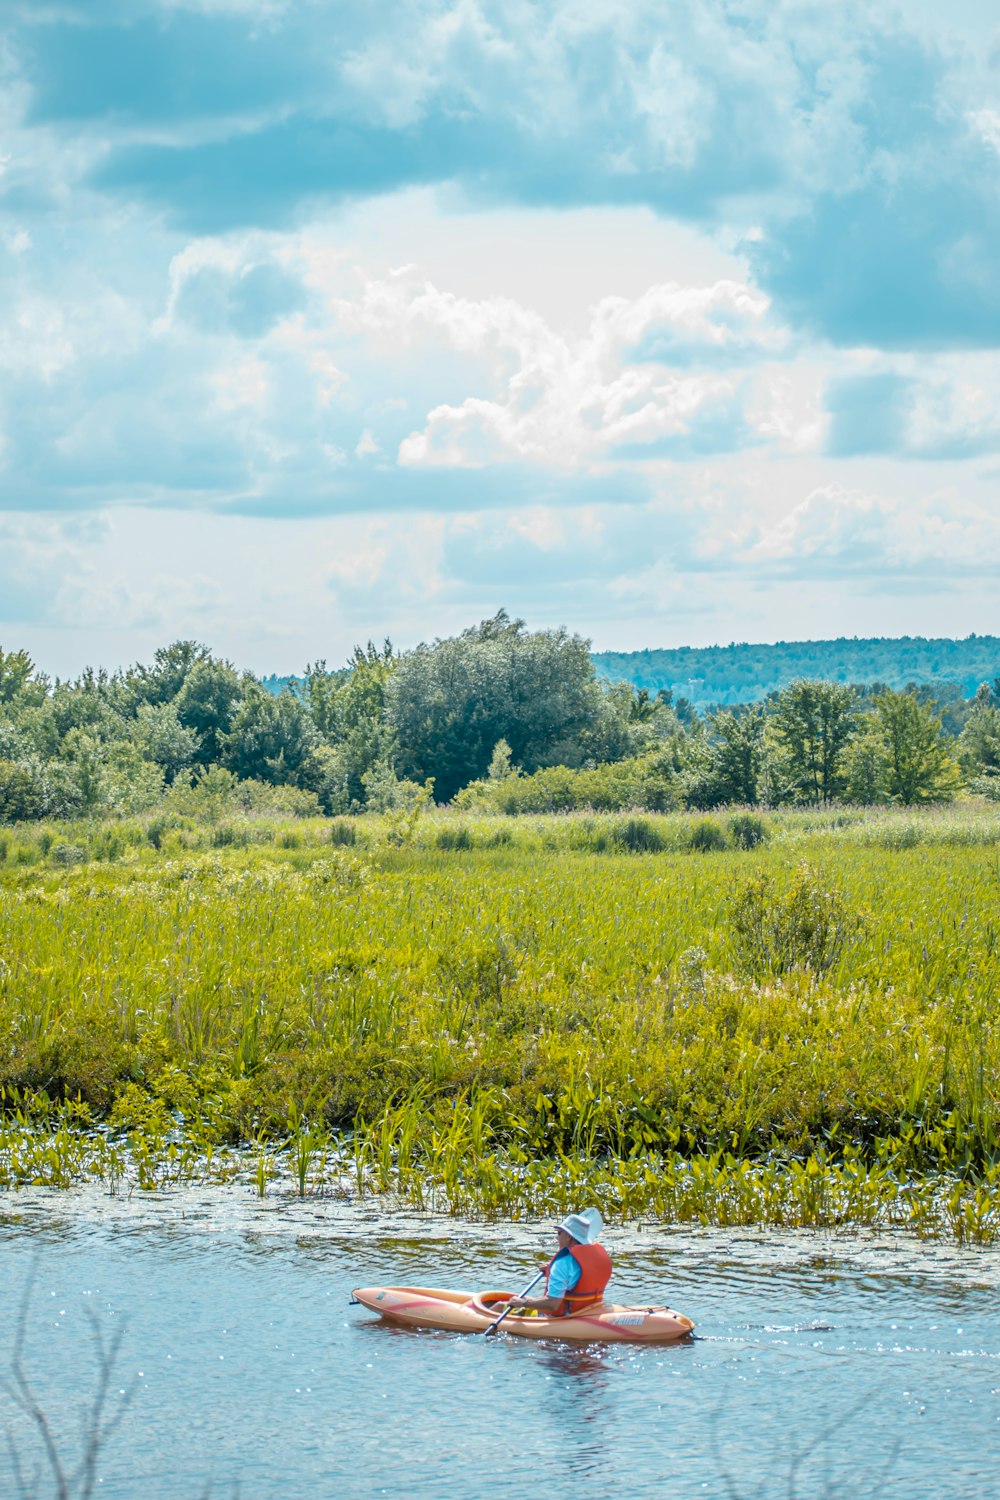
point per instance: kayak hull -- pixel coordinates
(469, 1312)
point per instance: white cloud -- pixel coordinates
(564, 401)
(18, 240)
(243, 383)
(856, 532)
(986, 124)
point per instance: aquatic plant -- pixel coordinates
(530, 1006)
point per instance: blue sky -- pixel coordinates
(673, 323)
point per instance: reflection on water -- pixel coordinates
(823, 1366)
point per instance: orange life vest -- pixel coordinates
(595, 1273)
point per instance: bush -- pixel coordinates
(707, 836)
(24, 792)
(901, 836)
(69, 854)
(454, 838)
(227, 835)
(156, 830)
(343, 832)
(747, 830)
(109, 843)
(262, 797)
(806, 927)
(638, 836)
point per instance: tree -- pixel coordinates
(84, 760)
(163, 739)
(163, 680)
(24, 792)
(918, 765)
(349, 708)
(206, 703)
(812, 723)
(866, 766)
(730, 766)
(272, 739)
(321, 691)
(82, 705)
(979, 743)
(16, 668)
(449, 703)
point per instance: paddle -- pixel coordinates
(592, 1218)
(496, 1324)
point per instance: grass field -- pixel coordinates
(787, 1018)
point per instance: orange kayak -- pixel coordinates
(473, 1312)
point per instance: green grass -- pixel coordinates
(502, 1016)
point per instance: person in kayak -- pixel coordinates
(578, 1272)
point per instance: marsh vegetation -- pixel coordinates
(783, 1018)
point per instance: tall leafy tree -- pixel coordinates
(812, 724)
(163, 680)
(919, 767)
(160, 737)
(206, 703)
(979, 743)
(272, 739)
(732, 760)
(349, 709)
(16, 668)
(866, 767)
(448, 704)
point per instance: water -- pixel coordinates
(824, 1366)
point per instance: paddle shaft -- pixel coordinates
(494, 1326)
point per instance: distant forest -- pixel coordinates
(709, 676)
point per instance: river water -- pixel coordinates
(823, 1366)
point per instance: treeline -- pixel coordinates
(746, 673)
(498, 717)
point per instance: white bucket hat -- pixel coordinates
(585, 1227)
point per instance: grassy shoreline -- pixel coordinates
(500, 1015)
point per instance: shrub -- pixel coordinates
(901, 836)
(454, 838)
(638, 836)
(24, 792)
(987, 785)
(110, 843)
(343, 832)
(747, 830)
(707, 835)
(225, 835)
(69, 854)
(262, 797)
(805, 927)
(692, 965)
(155, 832)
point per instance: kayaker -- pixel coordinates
(578, 1272)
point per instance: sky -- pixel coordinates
(670, 323)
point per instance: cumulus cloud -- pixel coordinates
(943, 408)
(39, 561)
(572, 401)
(834, 531)
(854, 136)
(191, 320)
